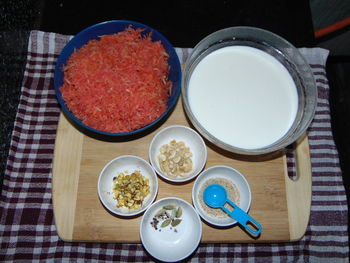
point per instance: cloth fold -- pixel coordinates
(27, 226)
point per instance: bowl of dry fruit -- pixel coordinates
(178, 153)
(127, 185)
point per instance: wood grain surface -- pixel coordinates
(280, 204)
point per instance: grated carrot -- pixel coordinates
(118, 83)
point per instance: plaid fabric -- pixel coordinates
(27, 226)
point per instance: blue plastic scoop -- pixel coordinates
(215, 196)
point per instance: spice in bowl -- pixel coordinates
(130, 190)
(232, 194)
(168, 216)
(175, 159)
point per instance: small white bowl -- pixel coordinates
(169, 245)
(192, 140)
(122, 164)
(229, 174)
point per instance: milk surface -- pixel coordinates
(243, 96)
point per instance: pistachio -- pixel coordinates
(130, 188)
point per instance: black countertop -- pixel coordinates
(183, 22)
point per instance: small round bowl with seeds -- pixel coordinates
(170, 229)
(178, 153)
(127, 185)
(236, 186)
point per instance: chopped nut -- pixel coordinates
(175, 159)
(130, 190)
(162, 157)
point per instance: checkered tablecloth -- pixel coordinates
(27, 227)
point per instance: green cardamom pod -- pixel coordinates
(173, 214)
(166, 223)
(179, 212)
(169, 207)
(175, 222)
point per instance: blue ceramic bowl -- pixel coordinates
(112, 27)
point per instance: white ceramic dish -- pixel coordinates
(179, 133)
(129, 164)
(167, 245)
(227, 173)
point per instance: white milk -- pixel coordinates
(243, 96)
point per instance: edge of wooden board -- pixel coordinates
(64, 202)
(298, 191)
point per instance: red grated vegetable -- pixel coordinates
(118, 83)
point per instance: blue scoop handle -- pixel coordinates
(242, 217)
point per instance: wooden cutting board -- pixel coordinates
(280, 204)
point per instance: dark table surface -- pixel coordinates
(183, 22)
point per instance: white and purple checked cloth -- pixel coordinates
(27, 227)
